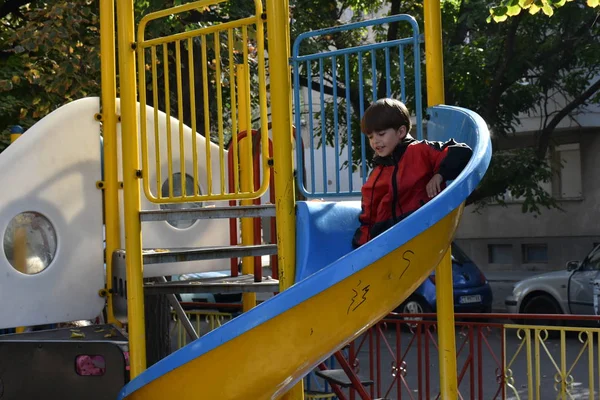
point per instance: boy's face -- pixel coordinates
(384, 142)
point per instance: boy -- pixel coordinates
(407, 172)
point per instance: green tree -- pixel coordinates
(50, 56)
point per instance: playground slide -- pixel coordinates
(339, 293)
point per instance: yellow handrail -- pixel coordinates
(109, 134)
(131, 189)
(213, 33)
(246, 175)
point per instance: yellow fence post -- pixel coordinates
(281, 111)
(131, 188)
(246, 181)
(109, 135)
(15, 132)
(433, 53)
(443, 272)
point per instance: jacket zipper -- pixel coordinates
(371, 205)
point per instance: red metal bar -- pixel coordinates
(356, 385)
(427, 375)
(469, 360)
(256, 137)
(480, 363)
(419, 362)
(274, 260)
(371, 362)
(233, 238)
(378, 373)
(233, 232)
(336, 389)
(350, 366)
(472, 369)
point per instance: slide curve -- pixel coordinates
(339, 293)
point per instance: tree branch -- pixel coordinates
(392, 34)
(544, 139)
(498, 84)
(11, 6)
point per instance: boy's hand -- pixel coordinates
(434, 186)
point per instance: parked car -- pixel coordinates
(472, 291)
(570, 291)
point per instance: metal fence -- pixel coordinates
(346, 79)
(215, 65)
(497, 358)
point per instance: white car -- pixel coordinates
(572, 291)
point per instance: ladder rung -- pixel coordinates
(238, 284)
(339, 377)
(160, 256)
(185, 214)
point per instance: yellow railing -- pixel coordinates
(553, 362)
(218, 72)
(203, 322)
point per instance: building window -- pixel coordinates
(568, 163)
(500, 254)
(535, 253)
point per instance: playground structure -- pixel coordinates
(329, 294)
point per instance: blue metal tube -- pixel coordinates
(336, 134)
(323, 127)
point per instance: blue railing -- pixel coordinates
(339, 102)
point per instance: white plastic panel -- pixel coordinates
(52, 170)
(207, 232)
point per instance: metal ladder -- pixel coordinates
(233, 284)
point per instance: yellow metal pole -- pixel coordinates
(131, 188)
(443, 272)
(433, 52)
(109, 134)
(15, 132)
(445, 320)
(279, 35)
(246, 181)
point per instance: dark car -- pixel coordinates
(472, 291)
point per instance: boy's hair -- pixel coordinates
(383, 114)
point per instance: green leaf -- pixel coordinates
(548, 10)
(514, 10)
(534, 9)
(499, 11)
(593, 3)
(525, 3)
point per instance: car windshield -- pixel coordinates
(458, 255)
(592, 261)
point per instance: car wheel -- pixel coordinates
(413, 305)
(541, 304)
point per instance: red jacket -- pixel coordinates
(397, 185)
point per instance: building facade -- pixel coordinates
(503, 238)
